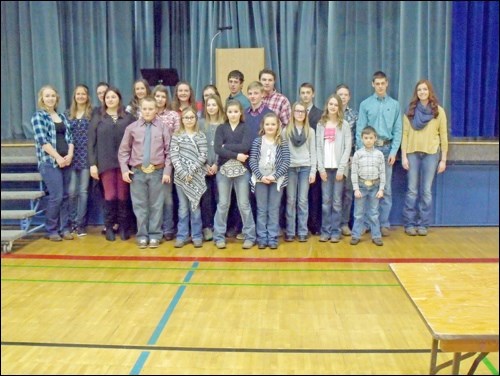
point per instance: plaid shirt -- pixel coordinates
(351, 116)
(368, 164)
(45, 133)
(280, 105)
(171, 119)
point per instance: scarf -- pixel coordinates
(298, 139)
(423, 114)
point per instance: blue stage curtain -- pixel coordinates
(322, 42)
(474, 85)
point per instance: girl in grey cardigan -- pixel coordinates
(333, 145)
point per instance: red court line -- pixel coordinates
(371, 260)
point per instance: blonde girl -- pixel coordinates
(301, 140)
(54, 149)
(269, 162)
(333, 143)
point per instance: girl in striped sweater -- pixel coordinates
(188, 152)
(269, 162)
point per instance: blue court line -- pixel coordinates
(139, 364)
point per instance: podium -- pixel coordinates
(160, 76)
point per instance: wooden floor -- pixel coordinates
(89, 306)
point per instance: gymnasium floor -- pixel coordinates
(89, 306)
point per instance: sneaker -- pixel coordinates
(179, 243)
(240, 236)
(324, 238)
(110, 235)
(67, 236)
(154, 243)
(346, 231)
(377, 241)
(143, 243)
(335, 239)
(289, 238)
(273, 246)
(80, 231)
(221, 244)
(385, 231)
(354, 241)
(198, 243)
(247, 244)
(208, 234)
(168, 237)
(55, 238)
(262, 246)
(410, 231)
(422, 231)
(302, 238)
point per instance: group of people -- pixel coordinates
(256, 161)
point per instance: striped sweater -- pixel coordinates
(282, 163)
(188, 157)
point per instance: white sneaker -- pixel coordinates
(346, 231)
(247, 244)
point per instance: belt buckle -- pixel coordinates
(379, 142)
(368, 183)
(149, 169)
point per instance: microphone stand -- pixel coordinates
(212, 56)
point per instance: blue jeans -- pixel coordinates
(297, 205)
(188, 216)
(386, 202)
(314, 221)
(57, 213)
(385, 205)
(78, 196)
(168, 226)
(208, 202)
(366, 209)
(347, 197)
(241, 185)
(268, 209)
(331, 204)
(421, 174)
(146, 191)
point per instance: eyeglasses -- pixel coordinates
(300, 111)
(189, 117)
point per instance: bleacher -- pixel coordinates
(22, 192)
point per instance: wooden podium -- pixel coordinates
(249, 61)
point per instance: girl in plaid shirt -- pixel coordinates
(54, 149)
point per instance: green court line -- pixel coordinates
(205, 283)
(198, 269)
(490, 366)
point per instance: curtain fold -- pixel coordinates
(325, 43)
